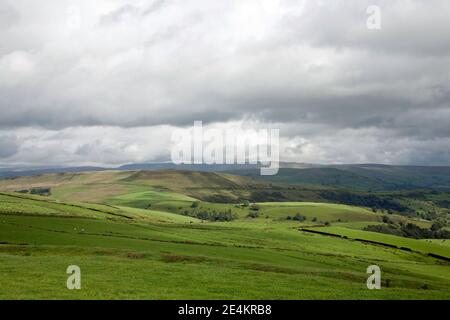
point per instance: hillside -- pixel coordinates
(130, 253)
(103, 185)
(143, 187)
(328, 177)
(361, 177)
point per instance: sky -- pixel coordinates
(106, 82)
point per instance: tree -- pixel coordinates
(437, 226)
(253, 214)
(299, 217)
(194, 204)
(203, 215)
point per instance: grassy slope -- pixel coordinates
(317, 176)
(28, 205)
(104, 185)
(413, 244)
(210, 262)
(149, 254)
(362, 180)
(321, 211)
(135, 188)
(363, 177)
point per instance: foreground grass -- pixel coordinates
(124, 259)
(112, 275)
(134, 253)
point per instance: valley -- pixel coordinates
(168, 234)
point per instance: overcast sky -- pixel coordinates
(105, 82)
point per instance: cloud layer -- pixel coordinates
(106, 82)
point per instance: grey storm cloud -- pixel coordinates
(8, 146)
(409, 27)
(311, 67)
(8, 16)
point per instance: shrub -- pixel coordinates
(194, 204)
(41, 191)
(215, 216)
(253, 214)
(386, 219)
(437, 226)
(410, 230)
(299, 217)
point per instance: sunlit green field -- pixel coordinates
(430, 246)
(133, 253)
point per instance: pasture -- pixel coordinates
(135, 235)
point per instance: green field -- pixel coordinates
(424, 247)
(134, 241)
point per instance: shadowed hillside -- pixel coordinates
(362, 177)
(140, 188)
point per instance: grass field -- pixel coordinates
(139, 260)
(131, 242)
(425, 247)
(102, 186)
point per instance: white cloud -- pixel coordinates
(123, 69)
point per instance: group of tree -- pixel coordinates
(297, 217)
(38, 191)
(253, 214)
(376, 202)
(211, 215)
(410, 230)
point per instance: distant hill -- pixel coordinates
(365, 177)
(403, 177)
(187, 167)
(362, 177)
(102, 185)
(305, 185)
(33, 171)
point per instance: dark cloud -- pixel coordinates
(312, 67)
(8, 146)
(408, 27)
